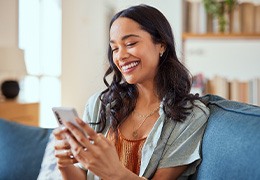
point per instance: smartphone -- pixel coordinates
(66, 114)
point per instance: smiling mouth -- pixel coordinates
(129, 66)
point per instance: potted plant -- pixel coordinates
(218, 8)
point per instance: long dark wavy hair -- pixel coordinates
(173, 80)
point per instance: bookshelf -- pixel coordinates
(220, 35)
(222, 63)
(242, 18)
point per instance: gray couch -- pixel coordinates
(230, 147)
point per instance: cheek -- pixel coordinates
(150, 53)
(152, 57)
(154, 62)
(137, 52)
(116, 63)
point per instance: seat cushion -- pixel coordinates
(21, 150)
(231, 143)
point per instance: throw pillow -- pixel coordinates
(49, 169)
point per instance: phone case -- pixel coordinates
(65, 114)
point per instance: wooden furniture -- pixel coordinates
(24, 113)
(220, 35)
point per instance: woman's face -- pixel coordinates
(134, 52)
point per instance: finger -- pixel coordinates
(79, 142)
(65, 157)
(81, 153)
(90, 131)
(76, 133)
(100, 139)
(58, 132)
(63, 162)
(75, 145)
(64, 153)
(97, 138)
(77, 139)
(61, 144)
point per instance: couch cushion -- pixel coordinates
(21, 150)
(231, 143)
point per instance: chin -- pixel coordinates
(130, 81)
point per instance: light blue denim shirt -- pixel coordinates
(169, 143)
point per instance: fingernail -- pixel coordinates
(79, 121)
(63, 128)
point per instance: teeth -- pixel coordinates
(133, 64)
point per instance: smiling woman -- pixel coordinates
(134, 52)
(146, 124)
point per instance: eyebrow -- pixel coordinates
(126, 37)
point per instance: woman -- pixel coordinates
(146, 124)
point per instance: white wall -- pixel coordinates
(230, 58)
(8, 23)
(84, 47)
(8, 27)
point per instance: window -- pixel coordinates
(40, 38)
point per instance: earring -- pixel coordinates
(161, 54)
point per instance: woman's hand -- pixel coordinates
(62, 148)
(94, 151)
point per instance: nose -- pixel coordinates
(122, 54)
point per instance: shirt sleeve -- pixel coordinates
(92, 108)
(183, 146)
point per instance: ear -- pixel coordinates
(162, 48)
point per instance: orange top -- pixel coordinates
(129, 151)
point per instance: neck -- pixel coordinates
(147, 96)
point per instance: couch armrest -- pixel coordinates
(21, 150)
(231, 143)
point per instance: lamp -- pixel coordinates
(12, 65)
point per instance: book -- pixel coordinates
(209, 22)
(235, 22)
(186, 16)
(247, 16)
(250, 89)
(257, 19)
(195, 17)
(243, 92)
(234, 90)
(198, 84)
(254, 91)
(219, 86)
(247, 91)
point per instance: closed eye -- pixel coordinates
(114, 49)
(131, 44)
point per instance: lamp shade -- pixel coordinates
(12, 66)
(12, 61)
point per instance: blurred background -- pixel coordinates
(63, 45)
